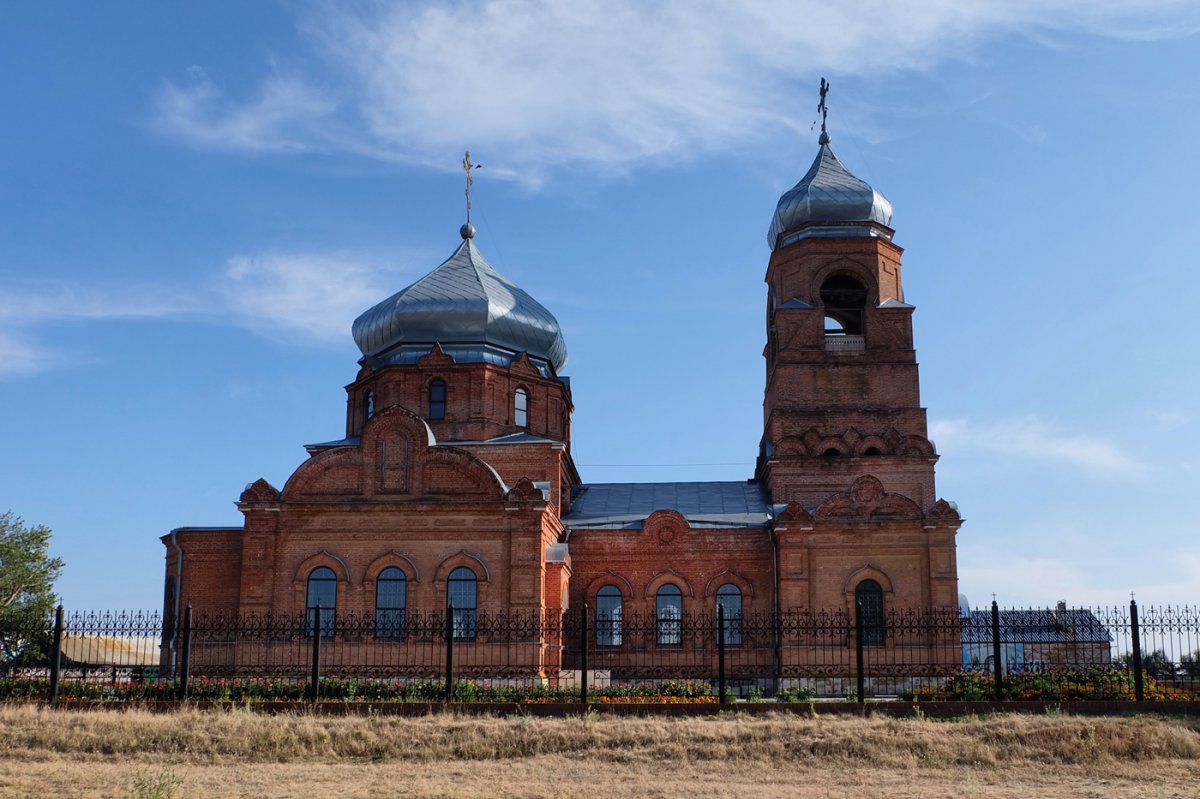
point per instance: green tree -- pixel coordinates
(1190, 665)
(1156, 664)
(27, 575)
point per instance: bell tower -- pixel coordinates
(842, 398)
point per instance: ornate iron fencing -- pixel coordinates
(992, 654)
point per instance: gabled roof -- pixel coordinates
(1038, 626)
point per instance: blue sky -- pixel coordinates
(195, 202)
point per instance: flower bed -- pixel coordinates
(1094, 683)
(265, 689)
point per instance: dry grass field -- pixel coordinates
(238, 753)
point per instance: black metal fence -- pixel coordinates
(989, 654)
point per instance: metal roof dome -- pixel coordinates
(466, 306)
(829, 193)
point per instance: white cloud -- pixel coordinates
(19, 356)
(310, 297)
(58, 302)
(1030, 439)
(606, 84)
(314, 295)
(1170, 419)
(1092, 580)
(286, 114)
(23, 312)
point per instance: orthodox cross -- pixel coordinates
(467, 167)
(824, 109)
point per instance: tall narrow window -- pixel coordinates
(391, 598)
(437, 399)
(668, 613)
(370, 402)
(461, 597)
(322, 592)
(729, 603)
(608, 616)
(168, 627)
(521, 408)
(868, 597)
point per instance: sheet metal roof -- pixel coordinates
(1038, 626)
(828, 193)
(627, 505)
(463, 302)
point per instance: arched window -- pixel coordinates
(668, 614)
(872, 452)
(844, 299)
(437, 399)
(521, 408)
(461, 588)
(608, 616)
(322, 592)
(370, 403)
(391, 599)
(729, 600)
(868, 598)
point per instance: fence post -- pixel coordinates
(314, 680)
(997, 659)
(184, 667)
(583, 664)
(449, 652)
(56, 652)
(1138, 688)
(721, 653)
(858, 652)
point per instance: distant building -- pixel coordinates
(454, 482)
(1036, 639)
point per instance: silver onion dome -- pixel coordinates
(829, 193)
(467, 307)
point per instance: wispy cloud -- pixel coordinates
(313, 295)
(1031, 439)
(1102, 580)
(24, 313)
(284, 115)
(603, 84)
(20, 356)
(307, 297)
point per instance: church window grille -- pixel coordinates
(461, 597)
(322, 592)
(729, 599)
(391, 599)
(868, 597)
(608, 616)
(669, 615)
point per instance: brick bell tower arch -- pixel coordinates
(842, 400)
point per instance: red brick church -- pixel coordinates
(455, 485)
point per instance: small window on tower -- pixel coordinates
(521, 408)
(437, 399)
(370, 404)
